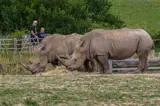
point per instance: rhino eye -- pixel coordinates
(75, 60)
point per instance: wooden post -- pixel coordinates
(30, 45)
(15, 45)
(0, 45)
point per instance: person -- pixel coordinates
(41, 34)
(33, 34)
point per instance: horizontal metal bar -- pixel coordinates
(12, 48)
(151, 68)
(13, 44)
(135, 60)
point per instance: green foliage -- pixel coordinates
(10, 43)
(57, 16)
(139, 14)
(19, 33)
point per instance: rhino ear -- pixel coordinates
(41, 47)
(30, 61)
(81, 44)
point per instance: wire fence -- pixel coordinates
(18, 45)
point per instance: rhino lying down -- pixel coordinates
(51, 46)
(115, 44)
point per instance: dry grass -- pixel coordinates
(60, 87)
(80, 89)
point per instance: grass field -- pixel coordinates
(58, 87)
(85, 89)
(138, 13)
(80, 89)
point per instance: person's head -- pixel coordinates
(35, 22)
(42, 29)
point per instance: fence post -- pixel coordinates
(30, 45)
(15, 45)
(24, 41)
(0, 45)
(110, 65)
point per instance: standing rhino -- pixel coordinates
(117, 44)
(51, 46)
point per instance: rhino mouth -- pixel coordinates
(70, 69)
(29, 69)
(33, 72)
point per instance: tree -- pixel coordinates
(57, 16)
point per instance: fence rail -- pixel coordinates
(17, 45)
(157, 59)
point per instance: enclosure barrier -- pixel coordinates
(24, 45)
(133, 60)
(17, 45)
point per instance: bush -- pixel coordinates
(18, 33)
(57, 16)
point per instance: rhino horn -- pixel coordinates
(32, 62)
(63, 61)
(68, 56)
(25, 66)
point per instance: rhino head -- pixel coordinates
(40, 64)
(77, 59)
(34, 67)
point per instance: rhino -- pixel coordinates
(50, 46)
(114, 44)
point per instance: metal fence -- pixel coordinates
(151, 67)
(17, 45)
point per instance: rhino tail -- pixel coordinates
(153, 46)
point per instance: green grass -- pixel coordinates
(11, 62)
(79, 89)
(138, 13)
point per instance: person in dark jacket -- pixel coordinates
(41, 34)
(33, 32)
(33, 35)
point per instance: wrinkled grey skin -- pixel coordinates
(117, 44)
(51, 46)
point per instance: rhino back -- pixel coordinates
(59, 45)
(117, 44)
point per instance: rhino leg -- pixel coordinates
(87, 66)
(94, 65)
(146, 66)
(55, 62)
(104, 64)
(143, 65)
(81, 69)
